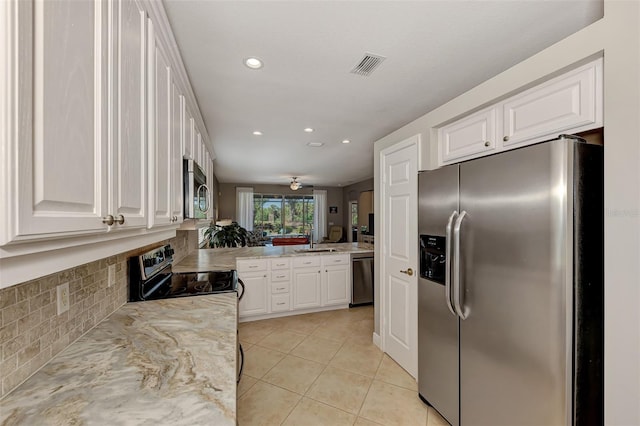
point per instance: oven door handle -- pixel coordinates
(157, 286)
(241, 353)
(243, 289)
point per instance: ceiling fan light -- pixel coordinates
(295, 185)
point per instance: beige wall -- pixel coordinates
(227, 198)
(31, 333)
(618, 36)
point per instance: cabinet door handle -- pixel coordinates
(120, 219)
(108, 220)
(487, 143)
(408, 271)
(506, 139)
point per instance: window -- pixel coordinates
(282, 214)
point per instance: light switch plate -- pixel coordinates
(62, 298)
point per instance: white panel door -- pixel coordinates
(61, 166)
(128, 144)
(306, 288)
(469, 136)
(159, 134)
(177, 134)
(400, 253)
(187, 147)
(254, 301)
(336, 285)
(566, 104)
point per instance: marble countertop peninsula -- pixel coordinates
(225, 258)
(163, 362)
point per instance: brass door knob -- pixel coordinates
(408, 271)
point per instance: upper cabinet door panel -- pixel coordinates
(569, 103)
(160, 136)
(61, 145)
(177, 133)
(468, 136)
(187, 148)
(129, 139)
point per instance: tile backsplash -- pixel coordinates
(31, 332)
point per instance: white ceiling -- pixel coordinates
(435, 51)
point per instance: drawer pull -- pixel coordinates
(306, 263)
(280, 288)
(338, 260)
(280, 276)
(280, 304)
(280, 264)
(253, 266)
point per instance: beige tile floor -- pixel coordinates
(323, 369)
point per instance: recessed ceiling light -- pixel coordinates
(257, 133)
(253, 63)
(346, 141)
(315, 144)
(308, 130)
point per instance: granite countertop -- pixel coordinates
(225, 258)
(163, 362)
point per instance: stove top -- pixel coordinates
(150, 278)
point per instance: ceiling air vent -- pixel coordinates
(368, 64)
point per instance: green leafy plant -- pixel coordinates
(232, 235)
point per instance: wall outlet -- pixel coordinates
(111, 280)
(62, 293)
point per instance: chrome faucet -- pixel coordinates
(311, 237)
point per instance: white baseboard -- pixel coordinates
(376, 340)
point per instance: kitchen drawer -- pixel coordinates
(284, 275)
(251, 265)
(306, 261)
(280, 287)
(280, 302)
(341, 259)
(280, 263)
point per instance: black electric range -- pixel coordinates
(151, 278)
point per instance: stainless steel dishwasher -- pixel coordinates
(362, 279)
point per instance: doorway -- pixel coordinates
(353, 221)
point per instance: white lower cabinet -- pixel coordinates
(306, 288)
(336, 280)
(280, 302)
(286, 285)
(254, 301)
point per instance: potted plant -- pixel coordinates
(232, 235)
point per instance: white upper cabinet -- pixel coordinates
(177, 136)
(187, 148)
(128, 198)
(160, 149)
(57, 148)
(470, 135)
(569, 103)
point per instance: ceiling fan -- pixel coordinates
(295, 185)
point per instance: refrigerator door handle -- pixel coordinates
(456, 266)
(449, 253)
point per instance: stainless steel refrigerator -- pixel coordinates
(510, 295)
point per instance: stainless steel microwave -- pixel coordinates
(197, 197)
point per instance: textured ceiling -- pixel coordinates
(435, 51)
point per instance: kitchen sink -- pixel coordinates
(316, 250)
